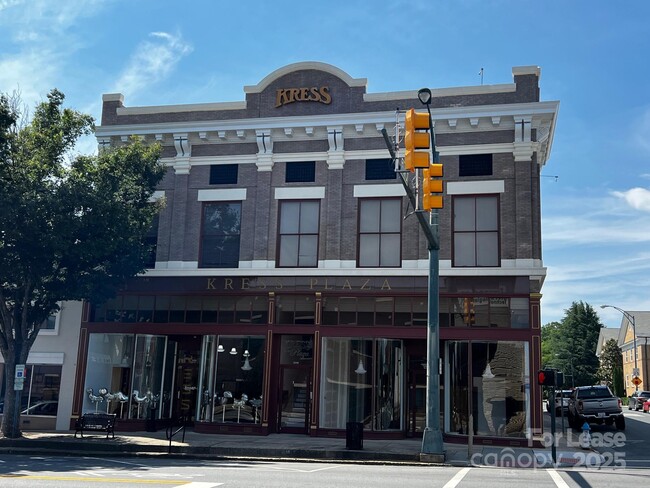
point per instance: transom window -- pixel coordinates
(380, 224)
(220, 235)
(380, 169)
(476, 231)
(298, 236)
(475, 165)
(304, 171)
(223, 174)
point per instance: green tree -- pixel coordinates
(570, 345)
(71, 227)
(611, 366)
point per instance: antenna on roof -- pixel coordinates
(550, 176)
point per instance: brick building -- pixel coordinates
(289, 287)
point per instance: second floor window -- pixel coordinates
(476, 231)
(220, 235)
(380, 236)
(223, 174)
(151, 241)
(298, 235)
(301, 172)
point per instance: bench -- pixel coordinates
(96, 422)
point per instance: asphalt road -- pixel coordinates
(20, 471)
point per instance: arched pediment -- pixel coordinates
(303, 66)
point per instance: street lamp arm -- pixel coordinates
(630, 319)
(627, 315)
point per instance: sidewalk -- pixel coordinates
(280, 446)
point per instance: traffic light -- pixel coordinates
(468, 311)
(417, 140)
(431, 187)
(546, 377)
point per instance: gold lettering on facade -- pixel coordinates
(317, 284)
(285, 96)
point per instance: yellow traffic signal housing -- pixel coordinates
(417, 140)
(432, 189)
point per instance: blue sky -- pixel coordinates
(593, 56)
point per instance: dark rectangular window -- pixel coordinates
(151, 242)
(380, 169)
(301, 172)
(475, 165)
(220, 235)
(223, 174)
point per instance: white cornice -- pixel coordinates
(193, 107)
(352, 119)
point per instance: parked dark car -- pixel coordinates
(635, 402)
(48, 407)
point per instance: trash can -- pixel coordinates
(354, 435)
(150, 424)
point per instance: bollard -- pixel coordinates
(585, 437)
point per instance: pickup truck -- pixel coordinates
(595, 405)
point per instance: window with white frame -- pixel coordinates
(380, 227)
(476, 231)
(298, 233)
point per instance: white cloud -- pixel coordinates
(637, 198)
(39, 38)
(151, 62)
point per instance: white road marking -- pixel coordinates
(557, 479)
(452, 483)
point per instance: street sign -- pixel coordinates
(636, 381)
(635, 372)
(20, 371)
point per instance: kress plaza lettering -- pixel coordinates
(317, 284)
(284, 96)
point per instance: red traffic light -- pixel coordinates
(546, 377)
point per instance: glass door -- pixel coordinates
(294, 398)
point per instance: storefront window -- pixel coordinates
(346, 382)
(109, 367)
(350, 369)
(40, 394)
(389, 385)
(499, 386)
(231, 379)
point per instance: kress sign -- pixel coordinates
(285, 96)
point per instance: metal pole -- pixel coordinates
(432, 437)
(636, 363)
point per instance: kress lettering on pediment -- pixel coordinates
(285, 96)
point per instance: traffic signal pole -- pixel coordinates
(432, 445)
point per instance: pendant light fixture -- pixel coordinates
(360, 369)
